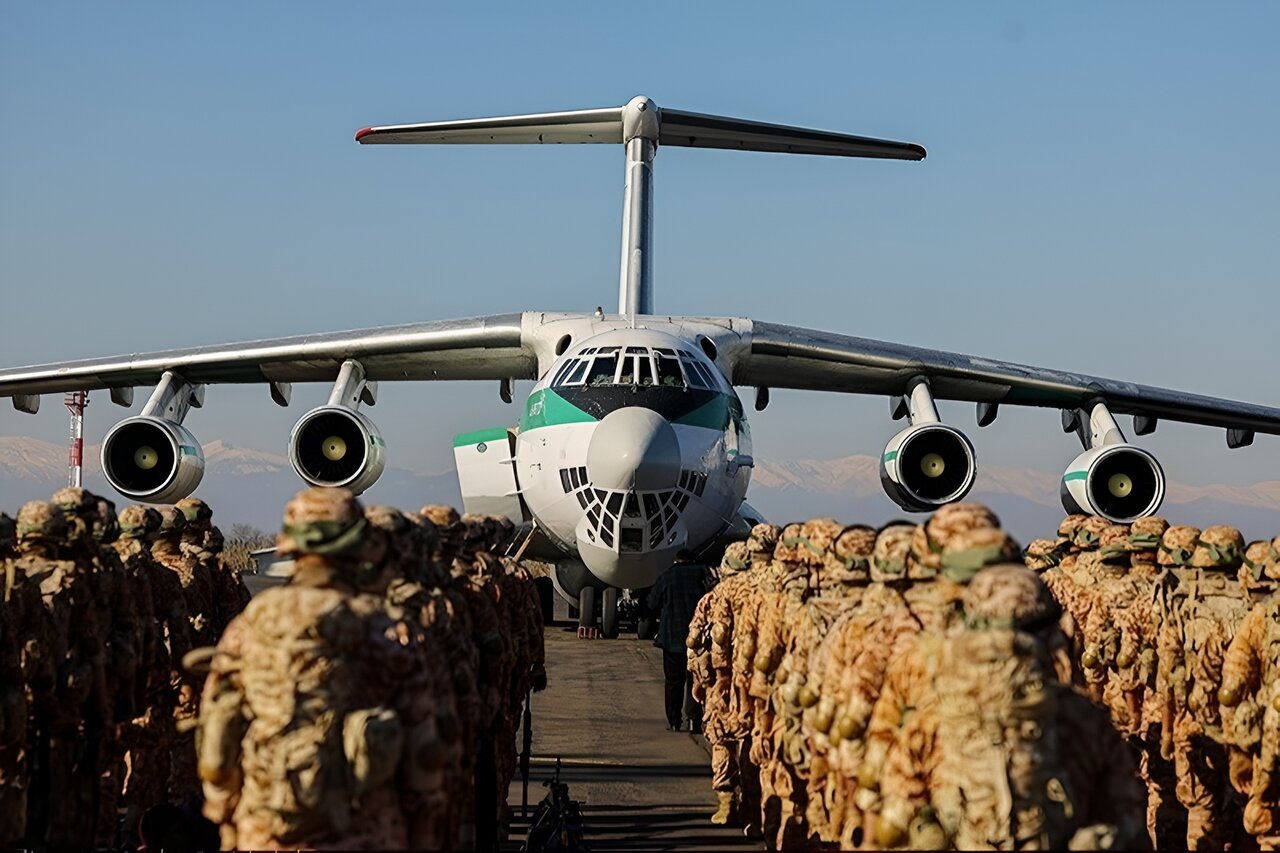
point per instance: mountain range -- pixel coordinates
(251, 486)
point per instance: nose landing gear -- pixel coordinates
(598, 621)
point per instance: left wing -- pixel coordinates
(476, 348)
(792, 357)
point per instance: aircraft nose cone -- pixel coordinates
(634, 449)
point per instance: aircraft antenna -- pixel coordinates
(76, 401)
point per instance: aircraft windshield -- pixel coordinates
(634, 366)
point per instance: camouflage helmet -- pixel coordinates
(138, 522)
(1067, 529)
(1044, 554)
(761, 542)
(9, 532)
(214, 540)
(1145, 533)
(849, 558)
(818, 537)
(172, 523)
(892, 551)
(425, 535)
(1009, 596)
(1219, 547)
(933, 537)
(106, 527)
(1113, 544)
(1272, 568)
(323, 522)
(968, 552)
(737, 558)
(41, 520)
(197, 513)
(74, 500)
(477, 532)
(1088, 533)
(448, 525)
(1177, 545)
(387, 518)
(790, 543)
(1256, 563)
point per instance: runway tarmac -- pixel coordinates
(642, 787)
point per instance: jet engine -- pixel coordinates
(928, 465)
(152, 457)
(153, 460)
(336, 445)
(1119, 482)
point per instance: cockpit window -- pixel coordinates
(575, 378)
(668, 365)
(602, 370)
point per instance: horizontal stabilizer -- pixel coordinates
(672, 127)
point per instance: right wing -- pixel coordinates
(476, 348)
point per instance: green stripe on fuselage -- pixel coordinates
(547, 408)
(469, 438)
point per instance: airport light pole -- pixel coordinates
(75, 402)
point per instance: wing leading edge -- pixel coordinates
(476, 348)
(783, 356)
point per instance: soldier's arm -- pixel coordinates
(222, 726)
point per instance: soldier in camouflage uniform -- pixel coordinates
(436, 825)
(229, 587)
(204, 565)
(706, 686)
(985, 757)
(14, 769)
(1250, 699)
(1201, 607)
(167, 550)
(351, 745)
(119, 619)
(148, 737)
(965, 540)
(62, 795)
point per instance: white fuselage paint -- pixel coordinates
(562, 419)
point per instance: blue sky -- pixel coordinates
(1101, 194)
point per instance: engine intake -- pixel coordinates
(336, 446)
(1119, 482)
(928, 465)
(152, 459)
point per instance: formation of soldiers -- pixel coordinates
(934, 687)
(97, 711)
(373, 701)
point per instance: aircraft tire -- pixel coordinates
(587, 607)
(609, 613)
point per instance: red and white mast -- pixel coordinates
(76, 401)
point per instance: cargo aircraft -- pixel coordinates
(633, 449)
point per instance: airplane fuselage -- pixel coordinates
(633, 449)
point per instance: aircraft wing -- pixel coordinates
(475, 348)
(782, 356)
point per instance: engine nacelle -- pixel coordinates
(336, 446)
(151, 459)
(1119, 482)
(928, 465)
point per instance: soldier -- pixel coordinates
(1201, 605)
(66, 785)
(228, 584)
(14, 770)
(202, 564)
(331, 760)
(1250, 699)
(148, 738)
(937, 610)
(982, 760)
